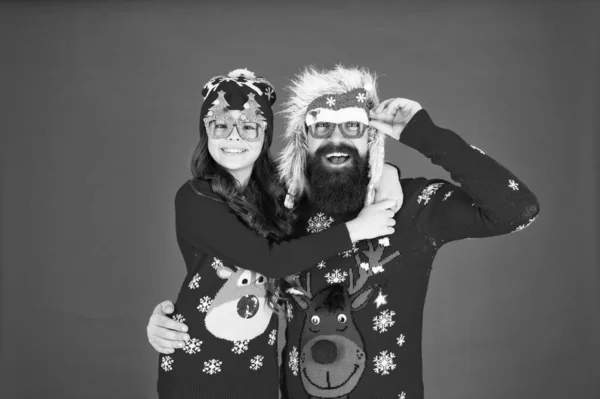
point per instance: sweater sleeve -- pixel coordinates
(211, 227)
(490, 200)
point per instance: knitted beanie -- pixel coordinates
(239, 90)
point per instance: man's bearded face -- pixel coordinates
(338, 172)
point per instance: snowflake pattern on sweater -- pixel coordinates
(383, 321)
(293, 360)
(256, 362)
(166, 363)
(195, 282)
(204, 304)
(350, 252)
(212, 366)
(192, 346)
(384, 363)
(240, 347)
(337, 276)
(428, 192)
(179, 318)
(318, 223)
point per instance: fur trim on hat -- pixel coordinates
(306, 87)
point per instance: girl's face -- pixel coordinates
(233, 152)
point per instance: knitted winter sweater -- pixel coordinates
(232, 350)
(356, 331)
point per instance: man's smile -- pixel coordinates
(337, 158)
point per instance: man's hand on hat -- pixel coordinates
(391, 116)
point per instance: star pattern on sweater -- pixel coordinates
(380, 300)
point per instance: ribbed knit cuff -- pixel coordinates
(203, 386)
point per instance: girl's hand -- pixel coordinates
(373, 221)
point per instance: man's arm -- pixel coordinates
(164, 333)
(489, 201)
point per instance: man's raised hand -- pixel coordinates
(391, 116)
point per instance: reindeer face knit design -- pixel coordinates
(356, 319)
(232, 351)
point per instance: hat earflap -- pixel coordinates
(376, 162)
(292, 165)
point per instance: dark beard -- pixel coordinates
(337, 191)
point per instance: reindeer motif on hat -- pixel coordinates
(332, 350)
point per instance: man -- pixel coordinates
(355, 320)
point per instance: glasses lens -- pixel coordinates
(353, 128)
(249, 131)
(219, 129)
(322, 129)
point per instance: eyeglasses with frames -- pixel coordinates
(349, 129)
(222, 129)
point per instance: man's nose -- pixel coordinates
(337, 135)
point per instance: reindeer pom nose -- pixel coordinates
(247, 306)
(324, 351)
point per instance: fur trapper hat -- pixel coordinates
(342, 92)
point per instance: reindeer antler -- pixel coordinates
(374, 256)
(299, 290)
(363, 276)
(366, 270)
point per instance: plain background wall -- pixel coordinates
(99, 106)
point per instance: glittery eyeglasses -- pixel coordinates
(349, 129)
(222, 129)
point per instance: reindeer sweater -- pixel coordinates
(354, 330)
(232, 351)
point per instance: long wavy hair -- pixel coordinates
(260, 208)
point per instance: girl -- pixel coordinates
(231, 215)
